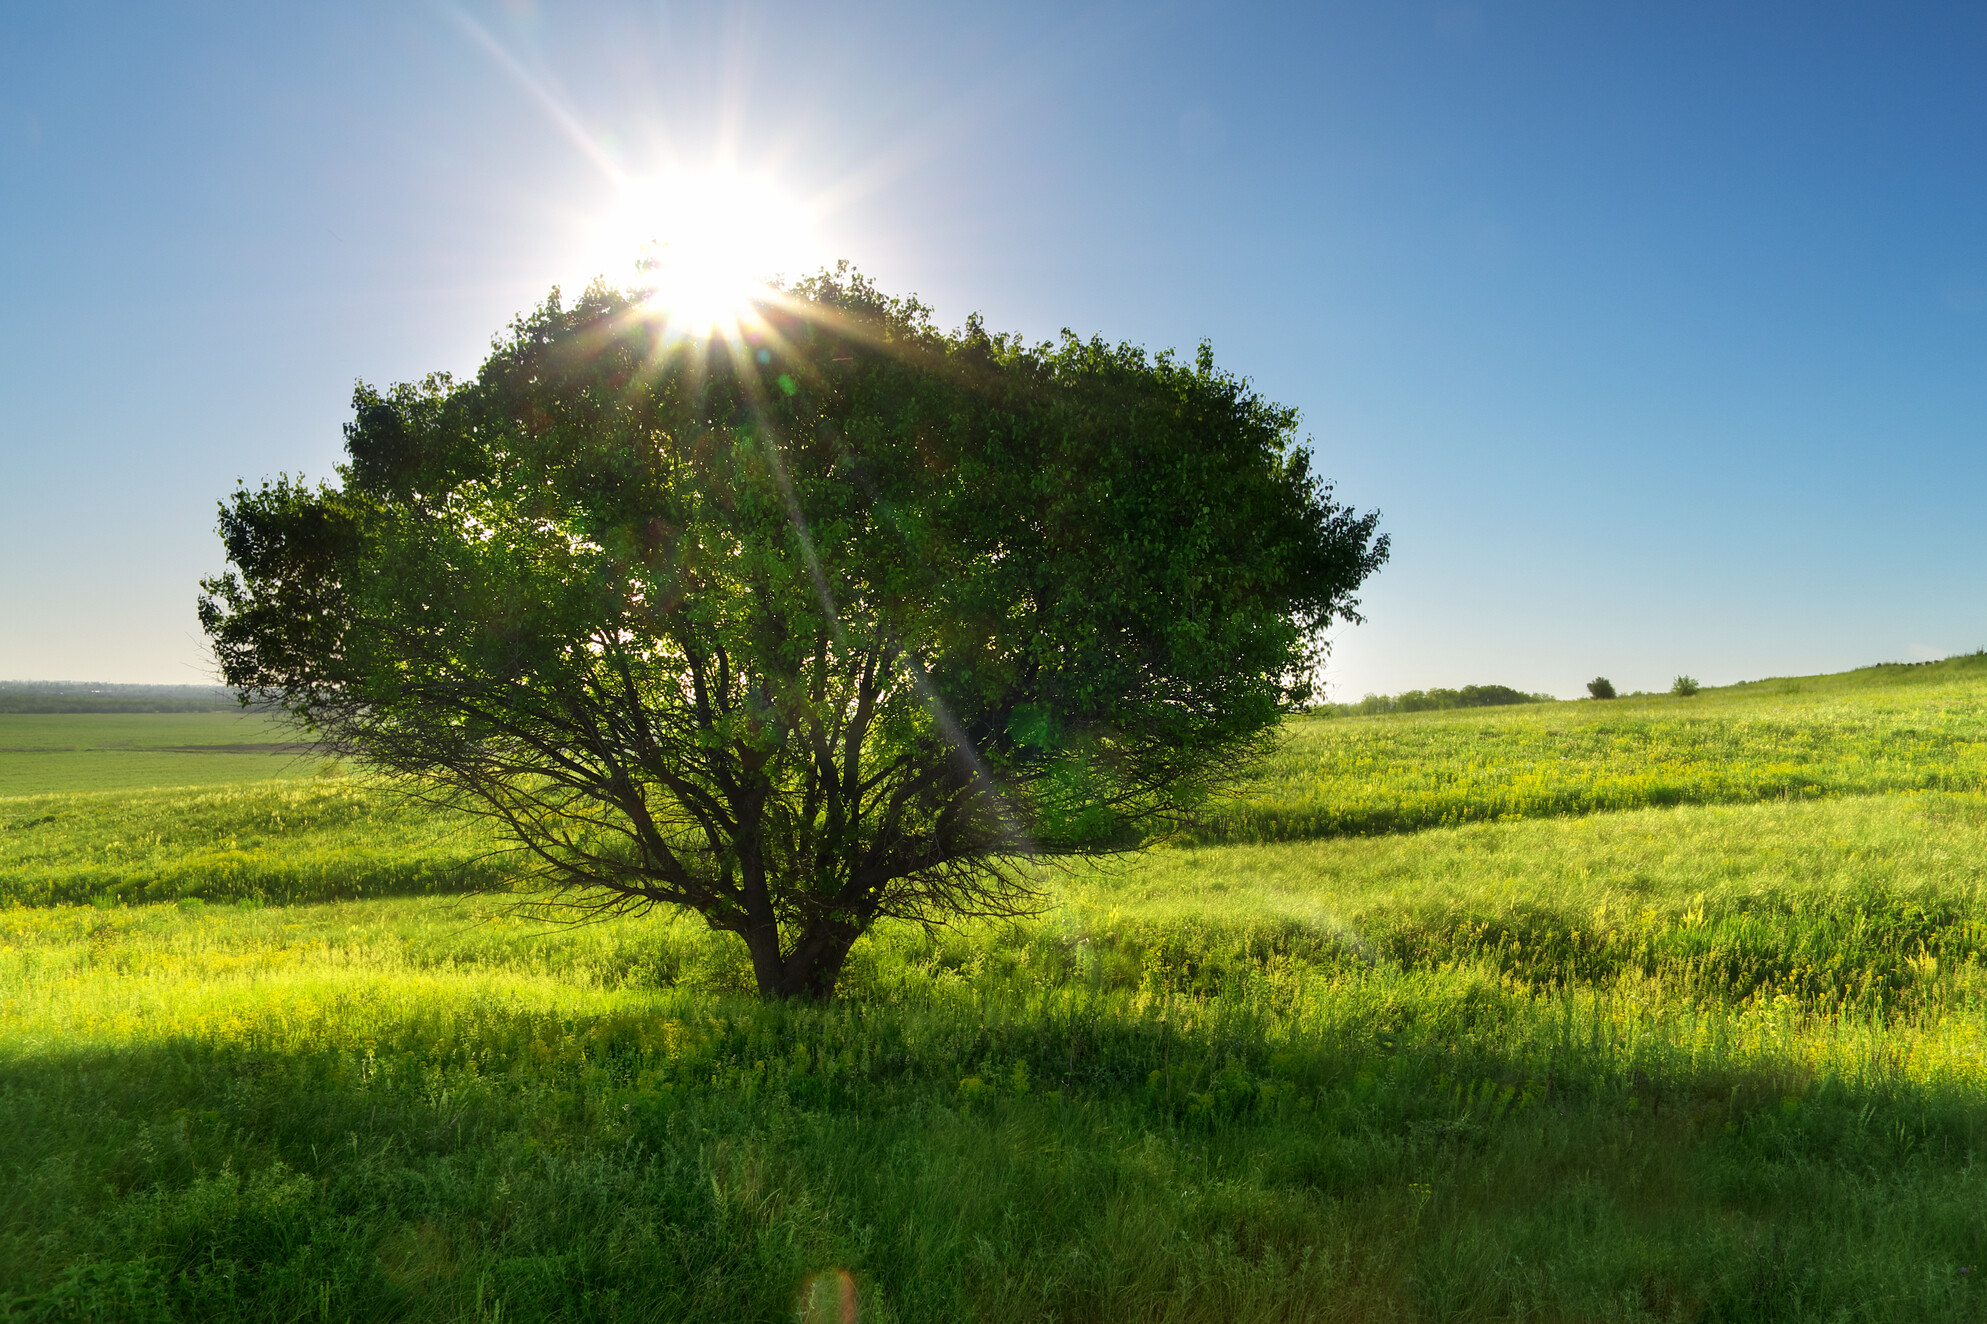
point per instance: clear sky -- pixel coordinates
(1658, 332)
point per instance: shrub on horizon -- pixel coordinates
(1422, 701)
(1684, 686)
(1600, 687)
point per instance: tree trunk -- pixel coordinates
(768, 970)
(814, 966)
(762, 925)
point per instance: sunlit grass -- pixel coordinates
(43, 753)
(295, 840)
(1473, 1073)
(1712, 1061)
(1864, 733)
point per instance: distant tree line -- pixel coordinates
(82, 696)
(1421, 701)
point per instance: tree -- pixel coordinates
(839, 618)
(1600, 687)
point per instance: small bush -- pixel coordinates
(1684, 686)
(1600, 687)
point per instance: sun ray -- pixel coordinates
(702, 244)
(548, 100)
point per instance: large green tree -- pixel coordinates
(836, 618)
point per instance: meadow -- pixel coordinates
(1714, 1056)
(99, 751)
(1882, 729)
(308, 839)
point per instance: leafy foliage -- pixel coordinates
(834, 623)
(1600, 687)
(1684, 686)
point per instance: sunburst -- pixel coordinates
(705, 244)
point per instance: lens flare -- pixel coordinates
(829, 1298)
(704, 244)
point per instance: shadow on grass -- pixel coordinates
(1432, 1149)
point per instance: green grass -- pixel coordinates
(1884, 729)
(282, 841)
(1292, 1090)
(1709, 1061)
(52, 752)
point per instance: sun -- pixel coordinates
(705, 242)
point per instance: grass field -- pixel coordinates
(1895, 728)
(312, 839)
(1559, 1059)
(47, 752)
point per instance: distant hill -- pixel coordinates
(83, 696)
(1960, 666)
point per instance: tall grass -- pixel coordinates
(300, 840)
(1893, 729)
(1881, 731)
(1716, 1061)
(1252, 1083)
(1848, 906)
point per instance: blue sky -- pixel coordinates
(1658, 332)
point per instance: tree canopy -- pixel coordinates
(836, 618)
